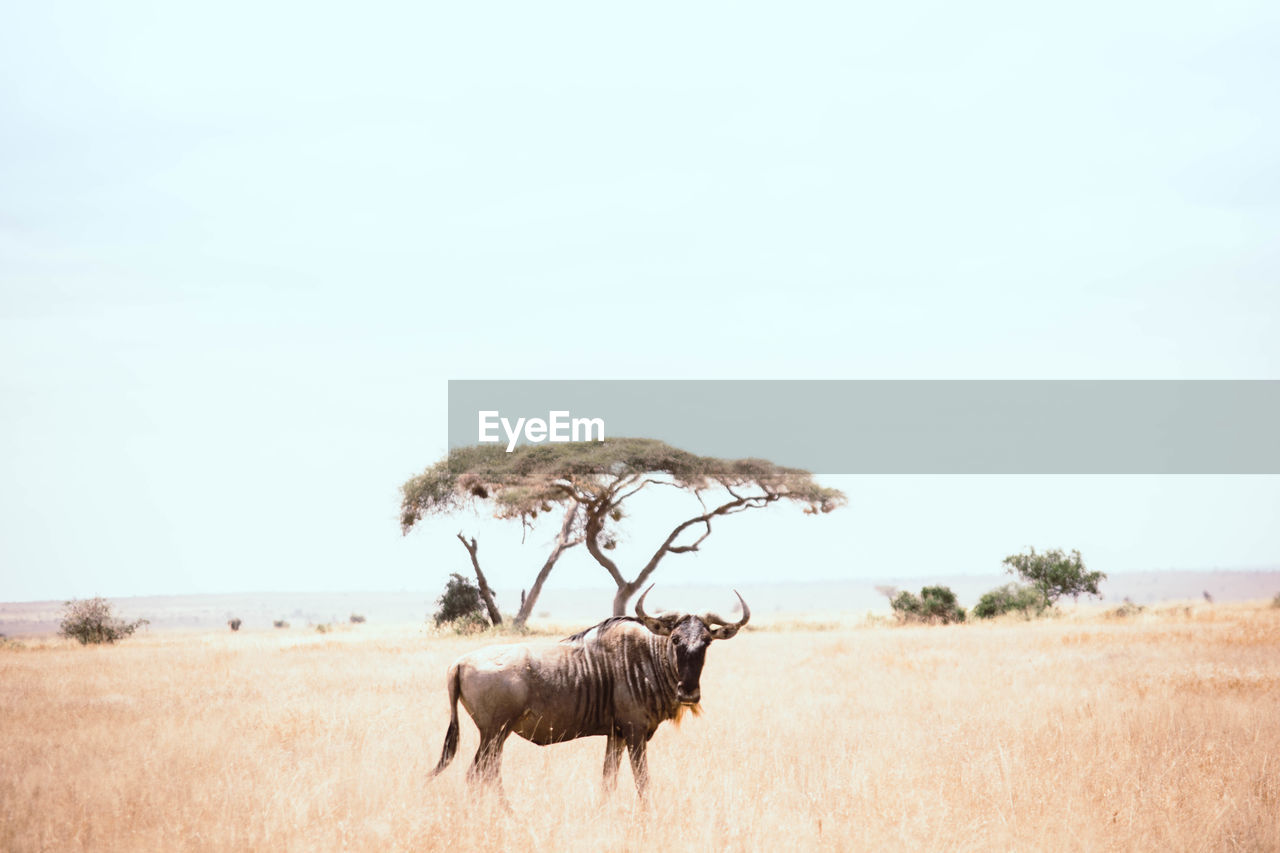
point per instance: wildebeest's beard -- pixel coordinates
(690, 640)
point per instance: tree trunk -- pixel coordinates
(485, 592)
(620, 599)
(594, 527)
(563, 543)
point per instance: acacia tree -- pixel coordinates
(1054, 574)
(591, 481)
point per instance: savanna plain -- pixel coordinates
(1156, 731)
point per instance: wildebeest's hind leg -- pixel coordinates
(487, 765)
(612, 758)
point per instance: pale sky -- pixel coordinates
(244, 246)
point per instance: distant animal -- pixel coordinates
(620, 679)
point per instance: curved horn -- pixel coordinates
(656, 624)
(727, 629)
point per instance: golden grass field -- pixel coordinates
(1156, 732)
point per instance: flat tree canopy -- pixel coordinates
(591, 480)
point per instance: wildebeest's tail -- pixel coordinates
(451, 735)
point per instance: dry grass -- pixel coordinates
(1158, 731)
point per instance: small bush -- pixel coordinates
(356, 619)
(906, 606)
(1125, 610)
(322, 628)
(935, 605)
(279, 623)
(1007, 598)
(1275, 602)
(460, 600)
(91, 621)
(472, 623)
(234, 624)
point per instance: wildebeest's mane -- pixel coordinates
(600, 628)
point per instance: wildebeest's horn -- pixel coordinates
(726, 628)
(658, 624)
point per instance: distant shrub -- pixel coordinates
(1056, 574)
(322, 628)
(1008, 598)
(90, 620)
(906, 605)
(234, 624)
(460, 601)
(1275, 602)
(279, 623)
(935, 605)
(1125, 610)
(471, 623)
(356, 618)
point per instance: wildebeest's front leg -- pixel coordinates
(636, 743)
(612, 758)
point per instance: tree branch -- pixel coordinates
(571, 491)
(684, 549)
(627, 588)
(647, 481)
(610, 491)
(595, 526)
(485, 592)
(563, 543)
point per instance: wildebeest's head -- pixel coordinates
(690, 635)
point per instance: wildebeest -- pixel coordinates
(621, 678)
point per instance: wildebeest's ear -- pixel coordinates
(723, 632)
(662, 624)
